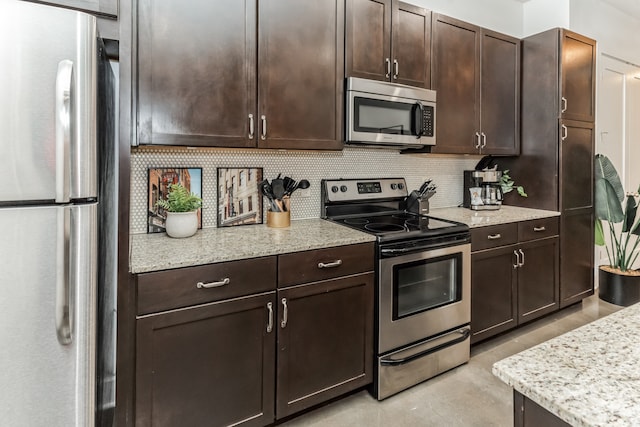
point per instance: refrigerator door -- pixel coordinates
(47, 313)
(47, 103)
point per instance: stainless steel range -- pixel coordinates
(423, 280)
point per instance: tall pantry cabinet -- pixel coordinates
(556, 164)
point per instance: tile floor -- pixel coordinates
(468, 396)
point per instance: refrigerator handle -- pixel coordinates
(64, 114)
(64, 310)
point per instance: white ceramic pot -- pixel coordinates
(181, 224)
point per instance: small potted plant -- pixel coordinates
(619, 283)
(181, 207)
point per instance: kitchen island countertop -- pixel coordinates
(503, 215)
(153, 252)
(587, 377)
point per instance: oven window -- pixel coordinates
(426, 284)
(378, 116)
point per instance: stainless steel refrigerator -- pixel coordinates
(57, 250)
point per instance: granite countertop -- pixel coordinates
(587, 377)
(504, 215)
(152, 252)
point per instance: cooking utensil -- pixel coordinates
(303, 185)
(267, 191)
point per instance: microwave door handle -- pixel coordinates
(416, 123)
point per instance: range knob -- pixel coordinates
(400, 186)
(394, 186)
(334, 189)
(343, 188)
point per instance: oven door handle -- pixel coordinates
(464, 334)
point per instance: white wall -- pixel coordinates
(540, 15)
(504, 16)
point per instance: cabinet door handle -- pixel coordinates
(537, 229)
(565, 132)
(563, 100)
(396, 69)
(285, 313)
(478, 143)
(222, 282)
(520, 264)
(263, 136)
(251, 126)
(517, 264)
(335, 263)
(388, 67)
(484, 140)
(270, 322)
(494, 236)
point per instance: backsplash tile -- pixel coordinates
(445, 171)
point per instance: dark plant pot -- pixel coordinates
(619, 289)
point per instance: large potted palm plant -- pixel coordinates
(619, 282)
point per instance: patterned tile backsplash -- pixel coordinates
(445, 171)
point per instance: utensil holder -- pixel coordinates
(278, 219)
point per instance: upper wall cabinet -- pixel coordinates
(578, 74)
(476, 73)
(241, 73)
(388, 40)
(101, 7)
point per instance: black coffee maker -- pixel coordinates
(482, 189)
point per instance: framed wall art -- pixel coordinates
(159, 180)
(239, 200)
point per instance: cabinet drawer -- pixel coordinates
(183, 287)
(538, 228)
(321, 264)
(493, 236)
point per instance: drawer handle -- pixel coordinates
(336, 263)
(223, 282)
(285, 313)
(494, 236)
(270, 310)
(536, 229)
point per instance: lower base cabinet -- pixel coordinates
(218, 357)
(514, 275)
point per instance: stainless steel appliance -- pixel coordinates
(482, 189)
(390, 115)
(57, 156)
(423, 280)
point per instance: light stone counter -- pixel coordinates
(482, 218)
(587, 377)
(152, 252)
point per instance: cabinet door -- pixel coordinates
(102, 7)
(368, 39)
(500, 100)
(576, 165)
(411, 47)
(456, 78)
(325, 341)
(576, 255)
(210, 365)
(538, 278)
(493, 292)
(196, 72)
(578, 74)
(301, 74)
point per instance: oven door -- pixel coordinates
(423, 294)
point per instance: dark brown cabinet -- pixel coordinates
(476, 73)
(244, 342)
(100, 7)
(388, 40)
(241, 73)
(556, 165)
(514, 275)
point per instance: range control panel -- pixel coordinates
(344, 190)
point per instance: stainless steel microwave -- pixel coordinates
(389, 115)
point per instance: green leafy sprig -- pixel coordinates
(180, 200)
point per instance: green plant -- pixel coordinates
(507, 184)
(180, 200)
(616, 207)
